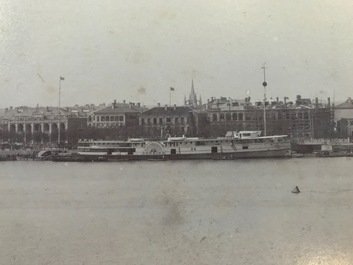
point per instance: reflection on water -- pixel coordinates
(203, 212)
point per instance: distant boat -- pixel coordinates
(296, 190)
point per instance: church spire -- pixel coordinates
(192, 97)
(192, 87)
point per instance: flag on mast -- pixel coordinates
(172, 89)
(62, 78)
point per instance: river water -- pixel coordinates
(177, 212)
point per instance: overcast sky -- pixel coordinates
(136, 50)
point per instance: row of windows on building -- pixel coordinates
(155, 121)
(37, 118)
(105, 125)
(101, 118)
(252, 116)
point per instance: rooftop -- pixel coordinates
(168, 111)
(348, 104)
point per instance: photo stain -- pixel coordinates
(141, 91)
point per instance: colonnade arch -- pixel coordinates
(38, 132)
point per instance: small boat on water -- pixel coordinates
(244, 144)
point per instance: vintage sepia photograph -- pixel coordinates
(176, 132)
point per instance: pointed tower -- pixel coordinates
(192, 96)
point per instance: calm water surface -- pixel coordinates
(208, 212)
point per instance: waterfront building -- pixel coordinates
(168, 120)
(41, 124)
(343, 116)
(115, 115)
(301, 119)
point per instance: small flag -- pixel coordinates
(171, 88)
(62, 78)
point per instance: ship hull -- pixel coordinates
(275, 153)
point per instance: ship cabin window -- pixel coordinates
(102, 118)
(154, 120)
(235, 117)
(116, 118)
(160, 120)
(168, 119)
(214, 117)
(221, 117)
(240, 117)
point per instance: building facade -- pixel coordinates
(168, 120)
(296, 120)
(115, 115)
(343, 116)
(42, 124)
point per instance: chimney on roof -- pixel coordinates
(114, 104)
(174, 106)
(166, 107)
(130, 105)
(328, 102)
(124, 101)
(277, 99)
(158, 104)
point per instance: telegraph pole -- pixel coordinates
(264, 83)
(60, 79)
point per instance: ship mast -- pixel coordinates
(264, 83)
